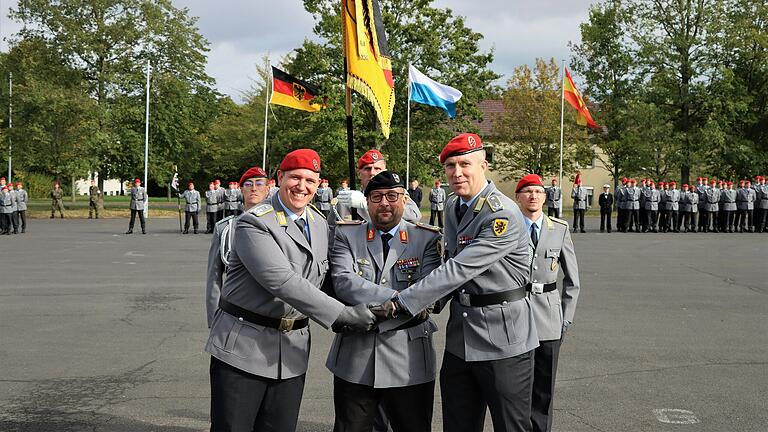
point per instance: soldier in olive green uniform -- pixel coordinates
(57, 200)
(93, 200)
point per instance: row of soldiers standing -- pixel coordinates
(716, 207)
(13, 207)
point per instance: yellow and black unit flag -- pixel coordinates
(293, 92)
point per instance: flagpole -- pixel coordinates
(266, 115)
(350, 135)
(408, 132)
(10, 125)
(146, 145)
(562, 114)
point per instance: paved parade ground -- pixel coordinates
(104, 332)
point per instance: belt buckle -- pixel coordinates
(537, 288)
(286, 324)
(464, 299)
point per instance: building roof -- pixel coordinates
(491, 108)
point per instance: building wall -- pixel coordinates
(111, 186)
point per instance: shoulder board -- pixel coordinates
(560, 221)
(317, 210)
(262, 209)
(494, 203)
(452, 194)
(225, 220)
(428, 227)
(349, 222)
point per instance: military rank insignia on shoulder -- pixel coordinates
(262, 209)
(225, 220)
(494, 203)
(349, 222)
(432, 228)
(560, 221)
(317, 210)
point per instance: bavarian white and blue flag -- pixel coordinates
(425, 90)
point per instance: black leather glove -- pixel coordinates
(423, 315)
(354, 319)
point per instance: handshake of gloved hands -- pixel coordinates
(363, 318)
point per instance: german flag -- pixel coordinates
(293, 92)
(572, 95)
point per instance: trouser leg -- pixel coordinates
(355, 406)
(23, 218)
(440, 218)
(545, 359)
(210, 218)
(750, 222)
(133, 220)
(463, 403)
(141, 220)
(507, 386)
(187, 217)
(195, 221)
(409, 409)
(603, 214)
(432, 214)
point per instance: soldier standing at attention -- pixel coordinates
(219, 200)
(255, 188)
(620, 196)
(371, 262)
(342, 210)
(651, 203)
(641, 211)
(688, 207)
(747, 218)
(138, 201)
(674, 207)
(554, 200)
(191, 207)
(579, 195)
(14, 208)
(94, 196)
(436, 204)
(259, 341)
(21, 199)
(57, 200)
(701, 191)
(491, 335)
(761, 204)
(663, 207)
(231, 199)
(415, 192)
(729, 207)
(323, 198)
(633, 206)
(5, 210)
(553, 311)
(211, 207)
(712, 195)
(606, 208)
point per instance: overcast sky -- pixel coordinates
(242, 31)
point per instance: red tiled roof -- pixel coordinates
(491, 109)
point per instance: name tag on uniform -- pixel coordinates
(464, 240)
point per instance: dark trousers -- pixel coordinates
(663, 220)
(15, 221)
(633, 217)
(651, 219)
(759, 218)
(728, 220)
(701, 219)
(605, 219)
(409, 409)
(436, 214)
(643, 218)
(688, 221)
(544, 370)
(219, 215)
(5, 223)
(722, 224)
(578, 219)
(744, 220)
(23, 219)
(232, 212)
(620, 218)
(504, 386)
(133, 219)
(674, 220)
(710, 223)
(187, 216)
(553, 212)
(242, 402)
(210, 219)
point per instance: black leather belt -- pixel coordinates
(282, 324)
(544, 287)
(480, 300)
(412, 323)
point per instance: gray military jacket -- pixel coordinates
(211, 201)
(393, 358)
(437, 199)
(14, 201)
(554, 197)
(633, 198)
(621, 197)
(555, 250)
(686, 201)
(745, 199)
(323, 198)
(762, 198)
(138, 198)
(216, 267)
(6, 202)
(21, 199)
(728, 199)
(712, 199)
(701, 191)
(673, 199)
(652, 198)
(231, 198)
(486, 252)
(192, 200)
(579, 195)
(275, 272)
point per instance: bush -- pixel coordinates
(37, 185)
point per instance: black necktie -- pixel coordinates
(303, 227)
(385, 244)
(462, 211)
(534, 235)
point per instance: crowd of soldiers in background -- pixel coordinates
(13, 207)
(714, 207)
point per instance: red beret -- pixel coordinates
(138, 180)
(713, 181)
(758, 177)
(301, 158)
(720, 182)
(18, 183)
(529, 180)
(661, 183)
(730, 183)
(463, 144)
(624, 179)
(685, 185)
(369, 157)
(704, 178)
(673, 182)
(632, 181)
(2, 178)
(217, 181)
(253, 172)
(699, 178)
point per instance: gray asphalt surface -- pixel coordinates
(104, 332)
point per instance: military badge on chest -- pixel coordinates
(408, 267)
(465, 240)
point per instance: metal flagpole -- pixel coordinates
(10, 125)
(146, 145)
(266, 113)
(562, 113)
(408, 133)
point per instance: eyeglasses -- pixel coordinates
(249, 183)
(391, 196)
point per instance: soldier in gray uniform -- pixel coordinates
(21, 200)
(579, 195)
(711, 205)
(259, 339)
(554, 200)
(673, 198)
(620, 197)
(437, 197)
(138, 201)
(211, 207)
(491, 334)
(761, 204)
(633, 206)
(663, 207)
(94, 196)
(553, 311)
(219, 200)
(323, 198)
(254, 186)
(191, 207)
(701, 191)
(641, 212)
(342, 210)
(6, 202)
(745, 199)
(14, 208)
(729, 207)
(57, 200)
(370, 263)
(231, 199)
(689, 202)
(651, 203)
